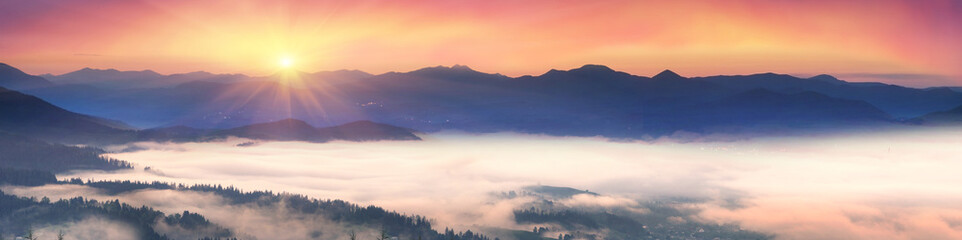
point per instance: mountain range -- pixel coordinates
(592, 100)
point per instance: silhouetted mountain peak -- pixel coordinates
(667, 75)
(586, 72)
(441, 68)
(88, 69)
(199, 72)
(460, 72)
(826, 78)
(771, 75)
(461, 67)
(85, 72)
(552, 72)
(593, 68)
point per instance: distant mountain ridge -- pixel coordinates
(592, 100)
(115, 79)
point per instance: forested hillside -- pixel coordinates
(26, 153)
(20, 216)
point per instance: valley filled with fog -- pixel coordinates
(886, 185)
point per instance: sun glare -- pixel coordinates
(285, 62)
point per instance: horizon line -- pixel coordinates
(839, 76)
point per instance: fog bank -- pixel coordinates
(892, 185)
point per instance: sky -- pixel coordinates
(914, 43)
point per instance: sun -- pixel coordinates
(285, 62)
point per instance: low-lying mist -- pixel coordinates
(87, 228)
(889, 185)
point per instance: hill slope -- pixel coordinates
(13, 78)
(30, 116)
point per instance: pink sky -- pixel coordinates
(915, 43)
